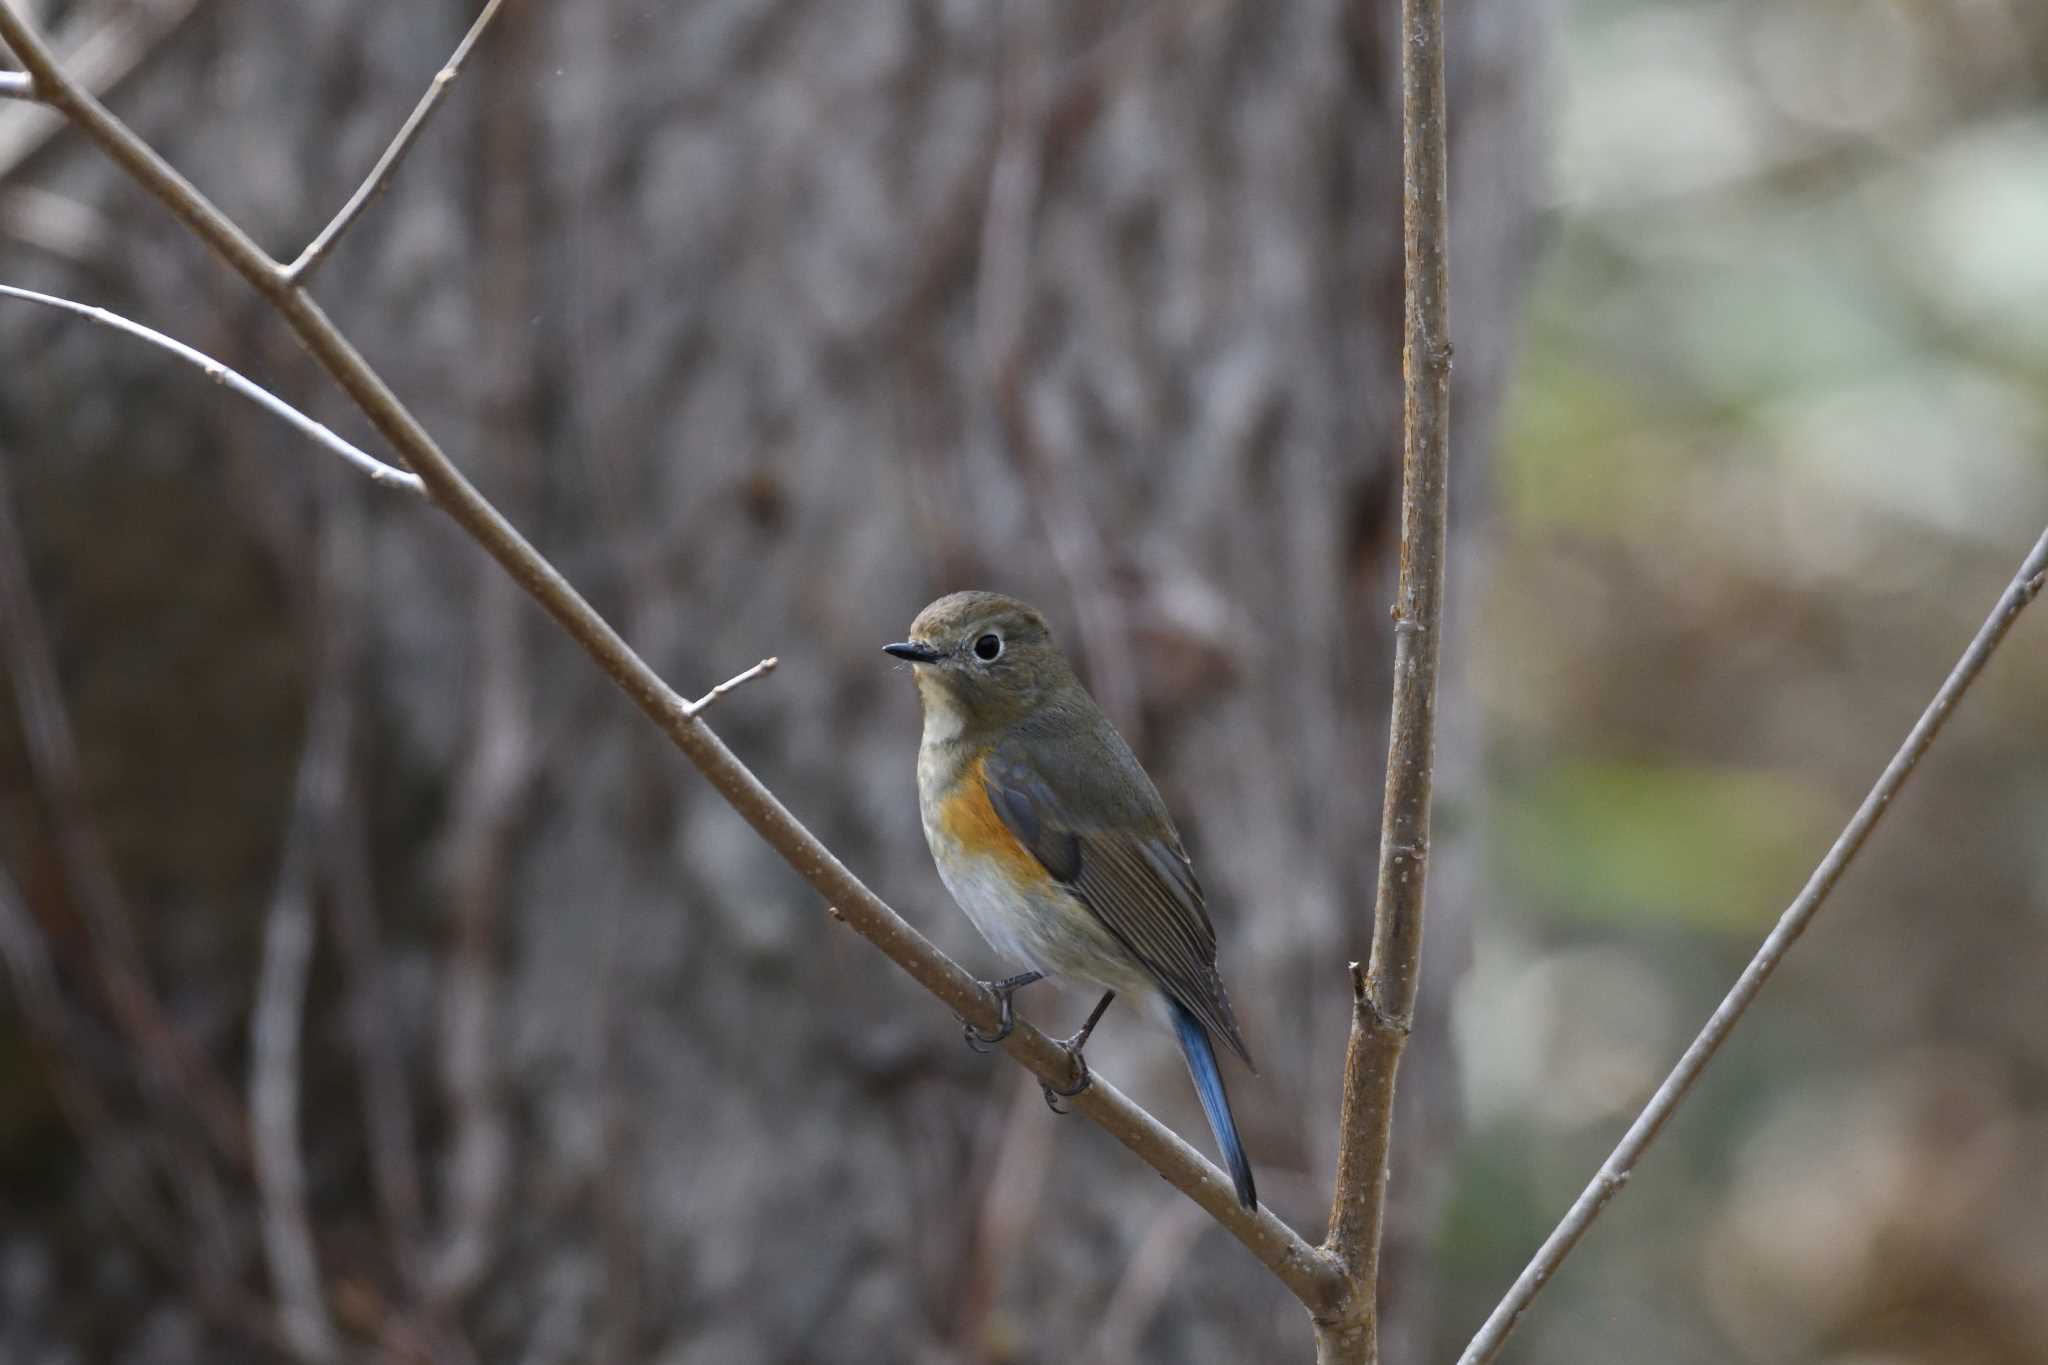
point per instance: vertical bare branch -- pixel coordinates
(1383, 995)
(1620, 1164)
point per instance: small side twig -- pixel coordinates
(17, 85)
(382, 474)
(379, 178)
(703, 703)
(1615, 1171)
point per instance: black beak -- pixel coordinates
(917, 654)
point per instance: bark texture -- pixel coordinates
(769, 321)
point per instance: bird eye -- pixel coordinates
(988, 648)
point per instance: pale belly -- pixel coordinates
(1047, 931)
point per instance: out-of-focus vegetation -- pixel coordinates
(1779, 437)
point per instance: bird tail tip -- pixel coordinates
(1208, 1079)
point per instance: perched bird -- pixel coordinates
(1056, 843)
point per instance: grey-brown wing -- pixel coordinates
(1138, 882)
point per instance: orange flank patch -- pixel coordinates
(971, 823)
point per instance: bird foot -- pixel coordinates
(1006, 1014)
(1072, 1047)
(1082, 1079)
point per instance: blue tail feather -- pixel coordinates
(1201, 1056)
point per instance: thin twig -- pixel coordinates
(699, 706)
(17, 85)
(1383, 996)
(1621, 1163)
(379, 178)
(382, 474)
(1308, 1273)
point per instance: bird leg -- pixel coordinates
(1073, 1046)
(1006, 1020)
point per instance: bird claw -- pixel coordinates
(1083, 1079)
(984, 1043)
(1006, 1014)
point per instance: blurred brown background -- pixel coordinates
(769, 321)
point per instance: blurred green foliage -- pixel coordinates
(1714, 847)
(1778, 438)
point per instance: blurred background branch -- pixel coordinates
(1621, 1163)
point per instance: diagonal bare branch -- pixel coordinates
(380, 473)
(379, 178)
(1308, 1273)
(1621, 1163)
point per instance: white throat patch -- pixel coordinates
(944, 722)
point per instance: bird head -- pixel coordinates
(982, 661)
